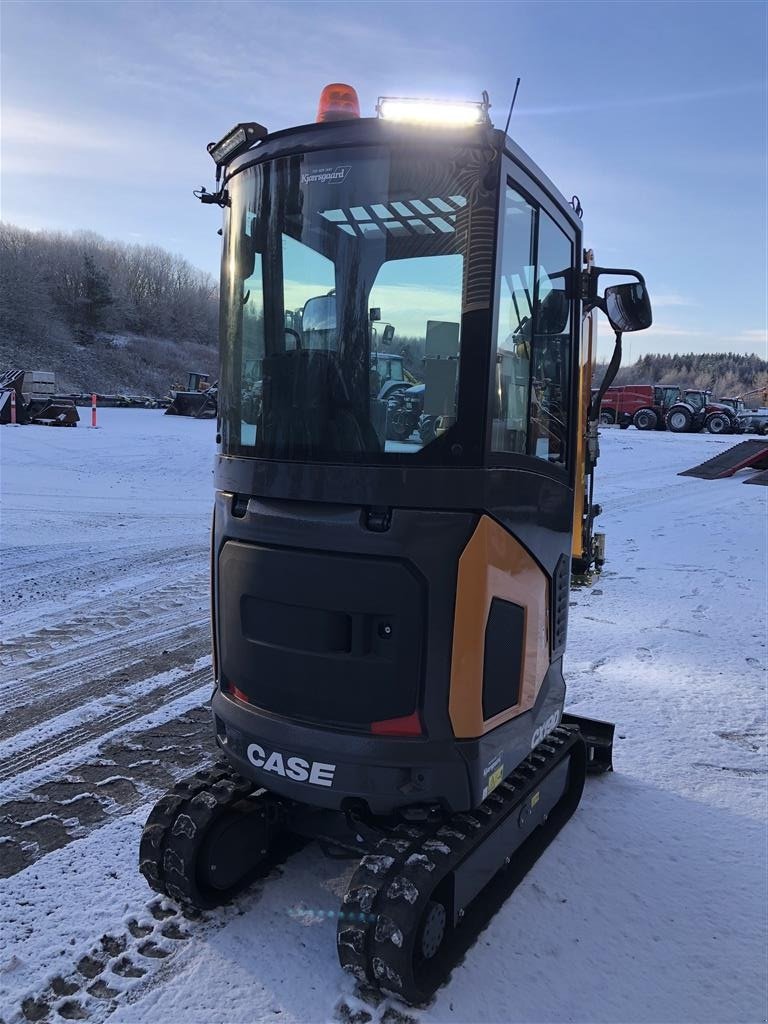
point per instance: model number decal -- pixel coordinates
(545, 729)
(291, 767)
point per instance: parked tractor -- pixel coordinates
(696, 411)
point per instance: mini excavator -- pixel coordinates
(389, 617)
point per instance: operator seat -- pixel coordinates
(308, 410)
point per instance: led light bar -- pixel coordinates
(440, 113)
(241, 136)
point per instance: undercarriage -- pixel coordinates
(426, 883)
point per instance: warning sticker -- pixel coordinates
(494, 774)
(495, 778)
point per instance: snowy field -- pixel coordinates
(649, 907)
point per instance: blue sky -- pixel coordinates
(655, 114)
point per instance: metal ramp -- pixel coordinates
(752, 453)
(758, 478)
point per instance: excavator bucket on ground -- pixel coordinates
(52, 412)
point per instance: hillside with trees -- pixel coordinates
(133, 319)
(726, 373)
(103, 315)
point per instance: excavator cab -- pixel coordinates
(390, 619)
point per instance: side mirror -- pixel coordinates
(628, 307)
(319, 313)
(389, 333)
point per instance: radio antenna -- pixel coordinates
(512, 106)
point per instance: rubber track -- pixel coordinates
(390, 888)
(170, 842)
(17, 763)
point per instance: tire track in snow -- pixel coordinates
(122, 773)
(161, 655)
(29, 565)
(28, 596)
(125, 647)
(18, 763)
(152, 608)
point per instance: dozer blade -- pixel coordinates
(598, 737)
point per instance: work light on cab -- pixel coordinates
(235, 141)
(338, 102)
(438, 113)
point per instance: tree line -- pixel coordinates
(90, 286)
(725, 373)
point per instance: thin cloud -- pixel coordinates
(32, 128)
(757, 336)
(673, 332)
(662, 301)
(86, 149)
(748, 88)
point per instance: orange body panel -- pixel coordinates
(494, 564)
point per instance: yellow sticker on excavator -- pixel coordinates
(535, 798)
(495, 778)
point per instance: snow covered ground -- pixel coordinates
(651, 904)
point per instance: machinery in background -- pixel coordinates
(665, 406)
(30, 396)
(643, 405)
(200, 399)
(696, 411)
(750, 420)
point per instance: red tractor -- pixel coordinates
(644, 405)
(696, 410)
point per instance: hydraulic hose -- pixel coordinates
(610, 374)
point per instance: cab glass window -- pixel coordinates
(551, 355)
(342, 300)
(511, 367)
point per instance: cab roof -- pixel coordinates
(369, 131)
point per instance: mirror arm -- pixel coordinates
(595, 302)
(616, 272)
(610, 374)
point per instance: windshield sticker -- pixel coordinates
(324, 175)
